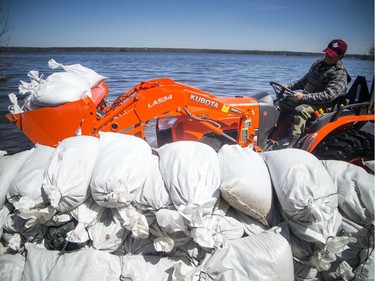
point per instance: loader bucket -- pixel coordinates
(49, 125)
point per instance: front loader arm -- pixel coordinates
(147, 100)
(131, 112)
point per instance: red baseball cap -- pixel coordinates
(336, 47)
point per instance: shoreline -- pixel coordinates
(166, 50)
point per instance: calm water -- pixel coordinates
(219, 74)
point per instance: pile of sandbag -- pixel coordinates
(312, 197)
(71, 84)
(113, 208)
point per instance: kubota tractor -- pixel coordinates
(186, 113)
(344, 134)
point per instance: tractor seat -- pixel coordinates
(343, 105)
(324, 119)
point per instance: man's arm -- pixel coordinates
(335, 87)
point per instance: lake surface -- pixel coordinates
(219, 74)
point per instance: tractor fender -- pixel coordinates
(341, 124)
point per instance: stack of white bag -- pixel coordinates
(58, 88)
(191, 173)
(356, 204)
(120, 172)
(9, 167)
(181, 212)
(25, 192)
(310, 199)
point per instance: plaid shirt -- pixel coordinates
(333, 85)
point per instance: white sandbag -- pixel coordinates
(191, 172)
(356, 191)
(171, 235)
(223, 228)
(121, 169)
(140, 268)
(86, 214)
(133, 221)
(307, 194)
(57, 89)
(326, 255)
(25, 191)
(89, 74)
(320, 254)
(171, 230)
(153, 194)
(35, 80)
(264, 256)
(37, 216)
(245, 182)
(249, 224)
(85, 264)
(9, 167)
(320, 257)
(67, 177)
(168, 222)
(107, 233)
(14, 108)
(11, 267)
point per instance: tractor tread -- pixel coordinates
(346, 146)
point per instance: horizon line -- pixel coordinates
(161, 49)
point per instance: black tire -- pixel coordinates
(351, 146)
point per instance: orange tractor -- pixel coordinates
(186, 113)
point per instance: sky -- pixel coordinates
(270, 25)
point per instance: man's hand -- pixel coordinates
(297, 96)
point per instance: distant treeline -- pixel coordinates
(174, 50)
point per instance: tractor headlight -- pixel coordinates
(166, 123)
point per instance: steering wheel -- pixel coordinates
(281, 91)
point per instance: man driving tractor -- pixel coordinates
(326, 80)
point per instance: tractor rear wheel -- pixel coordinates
(352, 146)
